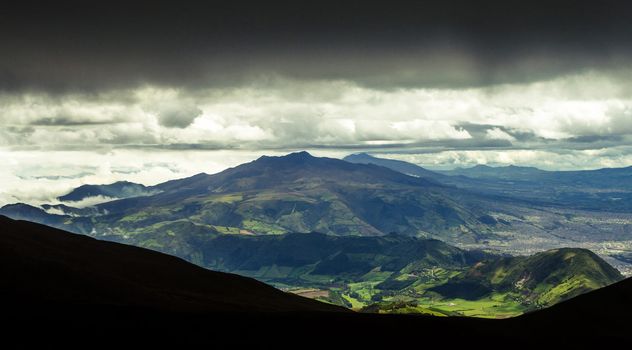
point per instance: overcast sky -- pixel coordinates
(150, 91)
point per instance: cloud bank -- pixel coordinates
(570, 112)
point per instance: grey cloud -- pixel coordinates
(125, 170)
(592, 142)
(59, 177)
(67, 121)
(621, 119)
(206, 146)
(128, 138)
(595, 138)
(19, 129)
(479, 131)
(427, 146)
(178, 116)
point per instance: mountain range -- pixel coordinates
(293, 193)
(302, 193)
(375, 237)
(608, 189)
(546, 209)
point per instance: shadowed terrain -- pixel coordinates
(42, 264)
(64, 288)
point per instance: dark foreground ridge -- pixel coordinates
(44, 264)
(60, 287)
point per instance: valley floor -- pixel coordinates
(498, 305)
(541, 228)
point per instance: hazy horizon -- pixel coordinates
(37, 184)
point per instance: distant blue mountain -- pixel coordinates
(608, 189)
(397, 165)
(511, 172)
(611, 178)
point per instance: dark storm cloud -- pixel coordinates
(60, 46)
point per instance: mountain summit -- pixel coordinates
(287, 172)
(301, 156)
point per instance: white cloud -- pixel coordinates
(419, 129)
(88, 201)
(498, 134)
(543, 159)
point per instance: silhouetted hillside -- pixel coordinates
(43, 264)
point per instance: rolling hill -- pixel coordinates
(542, 279)
(61, 288)
(392, 273)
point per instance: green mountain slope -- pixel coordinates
(300, 254)
(541, 280)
